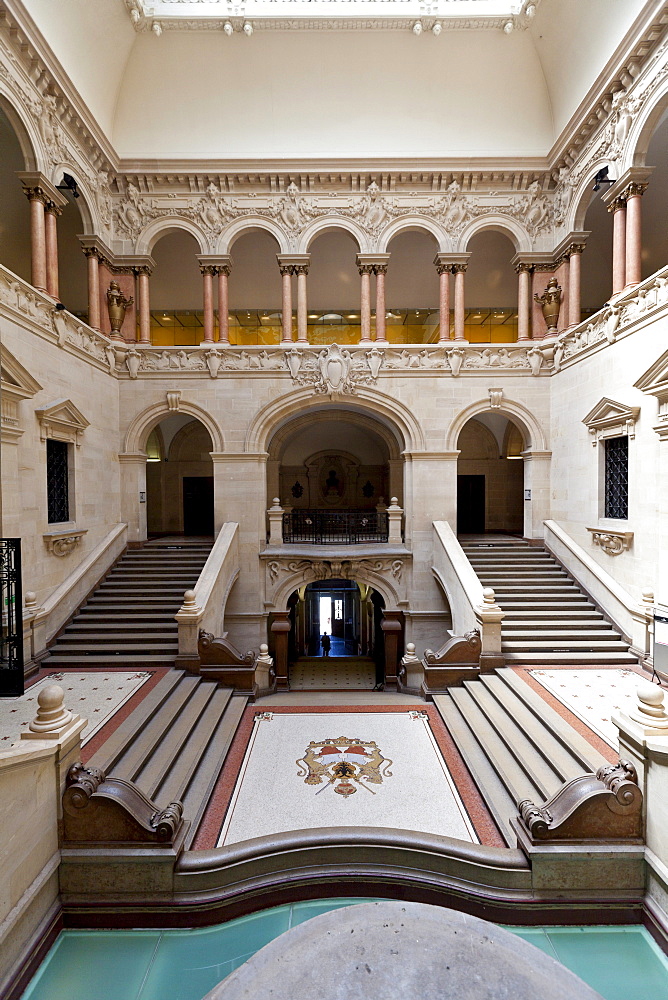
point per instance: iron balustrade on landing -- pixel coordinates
(323, 527)
(11, 634)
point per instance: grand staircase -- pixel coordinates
(129, 619)
(514, 744)
(174, 744)
(548, 618)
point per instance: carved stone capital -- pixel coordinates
(365, 269)
(459, 268)
(617, 203)
(524, 266)
(286, 269)
(634, 190)
(208, 269)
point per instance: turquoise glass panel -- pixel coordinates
(622, 963)
(314, 907)
(107, 965)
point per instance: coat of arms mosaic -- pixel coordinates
(344, 763)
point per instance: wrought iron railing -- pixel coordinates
(322, 527)
(11, 632)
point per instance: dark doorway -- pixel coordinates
(198, 505)
(470, 505)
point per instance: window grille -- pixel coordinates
(617, 477)
(57, 484)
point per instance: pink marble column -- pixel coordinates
(618, 209)
(93, 287)
(365, 271)
(208, 272)
(37, 237)
(144, 306)
(524, 302)
(51, 213)
(633, 195)
(223, 304)
(459, 270)
(286, 274)
(301, 270)
(380, 270)
(443, 300)
(574, 282)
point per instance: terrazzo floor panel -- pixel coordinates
(593, 695)
(311, 770)
(96, 696)
(332, 673)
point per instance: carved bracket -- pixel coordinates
(457, 660)
(603, 807)
(61, 543)
(107, 810)
(612, 542)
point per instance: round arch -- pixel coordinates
(148, 238)
(251, 224)
(515, 232)
(330, 224)
(290, 427)
(412, 224)
(581, 199)
(384, 408)
(25, 131)
(298, 578)
(141, 426)
(85, 201)
(532, 432)
(643, 128)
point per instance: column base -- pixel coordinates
(117, 337)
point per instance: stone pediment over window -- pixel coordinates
(16, 383)
(610, 419)
(655, 383)
(62, 421)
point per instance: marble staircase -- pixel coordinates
(513, 743)
(129, 619)
(548, 619)
(174, 744)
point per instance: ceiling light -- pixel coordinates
(417, 28)
(531, 10)
(508, 27)
(228, 29)
(157, 28)
(248, 29)
(437, 28)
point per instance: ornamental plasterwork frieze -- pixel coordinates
(392, 569)
(332, 370)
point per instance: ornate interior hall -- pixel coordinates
(334, 495)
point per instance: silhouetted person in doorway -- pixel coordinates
(326, 644)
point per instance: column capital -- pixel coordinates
(446, 261)
(376, 261)
(210, 269)
(145, 268)
(37, 186)
(460, 267)
(93, 246)
(523, 266)
(289, 262)
(617, 203)
(52, 208)
(626, 186)
(219, 263)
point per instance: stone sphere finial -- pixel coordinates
(650, 711)
(30, 600)
(51, 712)
(488, 595)
(264, 649)
(189, 598)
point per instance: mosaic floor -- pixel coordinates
(95, 696)
(593, 695)
(381, 769)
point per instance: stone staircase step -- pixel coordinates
(556, 642)
(497, 799)
(101, 648)
(563, 633)
(604, 659)
(135, 660)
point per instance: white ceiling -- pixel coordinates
(333, 93)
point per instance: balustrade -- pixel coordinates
(329, 527)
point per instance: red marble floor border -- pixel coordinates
(214, 815)
(581, 727)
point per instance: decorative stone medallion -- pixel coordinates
(346, 764)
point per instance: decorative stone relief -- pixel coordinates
(392, 568)
(609, 419)
(61, 543)
(333, 371)
(611, 542)
(655, 382)
(16, 384)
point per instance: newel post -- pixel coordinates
(395, 515)
(275, 515)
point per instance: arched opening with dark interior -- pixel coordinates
(336, 640)
(255, 303)
(179, 478)
(490, 476)
(333, 289)
(14, 206)
(412, 294)
(176, 291)
(596, 287)
(655, 204)
(490, 295)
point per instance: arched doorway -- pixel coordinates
(352, 656)
(490, 476)
(179, 478)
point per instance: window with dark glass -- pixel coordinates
(617, 477)
(57, 481)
